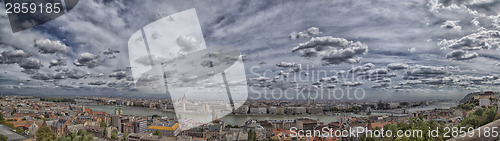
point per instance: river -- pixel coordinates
(241, 119)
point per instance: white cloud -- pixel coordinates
(99, 82)
(381, 85)
(188, 43)
(449, 24)
(110, 51)
(47, 46)
(14, 56)
(461, 55)
(397, 66)
(484, 39)
(332, 50)
(119, 74)
(87, 59)
(349, 83)
(291, 66)
(310, 32)
(362, 68)
(419, 71)
(31, 63)
(61, 61)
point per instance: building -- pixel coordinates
(116, 122)
(306, 124)
(165, 128)
(295, 110)
(32, 129)
(7, 131)
(258, 110)
(118, 110)
(272, 110)
(243, 109)
(484, 102)
(150, 137)
(60, 127)
(140, 126)
(485, 95)
(314, 110)
(128, 127)
(212, 131)
(498, 106)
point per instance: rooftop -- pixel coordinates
(11, 135)
(170, 126)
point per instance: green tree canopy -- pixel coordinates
(44, 133)
(3, 137)
(157, 133)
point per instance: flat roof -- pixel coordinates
(12, 136)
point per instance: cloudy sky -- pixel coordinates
(389, 48)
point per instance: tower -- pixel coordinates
(214, 115)
(116, 110)
(120, 111)
(184, 101)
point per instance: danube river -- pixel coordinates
(241, 119)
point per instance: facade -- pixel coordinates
(166, 128)
(140, 126)
(484, 102)
(258, 110)
(296, 110)
(485, 95)
(243, 109)
(116, 122)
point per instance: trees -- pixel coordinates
(103, 124)
(3, 138)
(19, 130)
(252, 135)
(1, 118)
(114, 135)
(479, 117)
(81, 135)
(44, 133)
(414, 124)
(157, 133)
(124, 138)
